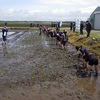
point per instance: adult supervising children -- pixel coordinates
(81, 28)
(88, 28)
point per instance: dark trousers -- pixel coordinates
(81, 31)
(88, 33)
(74, 29)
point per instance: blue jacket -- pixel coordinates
(4, 31)
(84, 51)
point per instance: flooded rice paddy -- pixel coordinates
(34, 68)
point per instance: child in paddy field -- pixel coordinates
(57, 37)
(92, 60)
(40, 28)
(88, 58)
(4, 34)
(64, 39)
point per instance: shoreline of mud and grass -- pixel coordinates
(92, 43)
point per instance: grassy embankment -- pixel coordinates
(92, 43)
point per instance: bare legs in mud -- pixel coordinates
(90, 68)
(63, 47)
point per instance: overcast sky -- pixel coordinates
(46, 10)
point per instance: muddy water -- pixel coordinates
(36, 69)
(9, 33)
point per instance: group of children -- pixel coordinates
(60, 37)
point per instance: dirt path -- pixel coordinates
(37, 69)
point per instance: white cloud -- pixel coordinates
(31, 12)
(48, 10)
(88, 9)
(58, 11)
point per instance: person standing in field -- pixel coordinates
(4, 35)
(40, 28)
(4, 39)
(88, 28)
(71, 25)
(81, 28)
(31, 25)
(74, 27)
(5, 24)
(64, 39)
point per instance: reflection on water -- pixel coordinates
(9, 33)
(70, 48)
(88, 84)
(4, 46)
(45, 43)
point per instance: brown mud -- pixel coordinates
(34, 68)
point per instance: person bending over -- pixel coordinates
(89, 60)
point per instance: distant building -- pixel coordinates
(95, 18)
